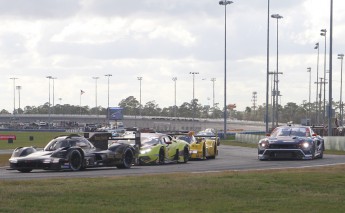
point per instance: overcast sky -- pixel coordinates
(76, 40)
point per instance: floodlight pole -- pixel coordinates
(341, 57)
(224, 2)
(267, 63)
(14, 94)
(174, 79)
(324, 33)
(330, 133)
(96, 105)
(309, 70)
(140, 79)
(108, 75)
(277, 16)
(318, 108)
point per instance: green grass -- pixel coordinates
(312, 190)
(40, 139)
(4, 159)
(294, 190)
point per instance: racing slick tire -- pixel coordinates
(25, 170)
(75, 160)
(214, 152)
(185, 155)
(204, 153)
(313, 152)
(127, 159)
(161, 156)
(321, 152)
(176, 158)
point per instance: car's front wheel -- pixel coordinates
(214, 152)
(321, 151)
(161, 156)
(204, 152)
(127, 159)
(75, 160)
(25, 170)
(185, 155)
(312, 151)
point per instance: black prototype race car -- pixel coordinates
(298, 142)
(72, 152)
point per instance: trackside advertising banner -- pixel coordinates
(115, 113)
(6, 137)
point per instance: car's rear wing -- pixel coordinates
(206, 136)
(174, 133)
(135, 141)
(98, 139)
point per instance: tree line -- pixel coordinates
(131, 106)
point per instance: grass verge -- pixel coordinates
(39, 139)
(293, 190)
(320, 190)
(4, 160)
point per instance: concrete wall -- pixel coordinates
(331, 143)
(335, 143)
(158, 123)
(248, 138)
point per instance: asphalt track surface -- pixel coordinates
(230, 158)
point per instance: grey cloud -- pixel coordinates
(38, 9)
(149, 7)
(13, 45)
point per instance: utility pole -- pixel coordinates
(254, 99)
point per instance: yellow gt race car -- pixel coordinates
(209, 133)
(157, 148)
(200, 147)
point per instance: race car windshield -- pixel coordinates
(185, 138)
(300, 132)
(56, 144)
(204, 133)
(149, 141)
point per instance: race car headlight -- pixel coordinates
(263, 144)
(13, 160)
(145, 151)
(305, 145)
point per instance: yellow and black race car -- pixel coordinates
(201, 147)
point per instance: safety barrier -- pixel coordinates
(335, 143)
(248, 138)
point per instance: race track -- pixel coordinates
(230, 158)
